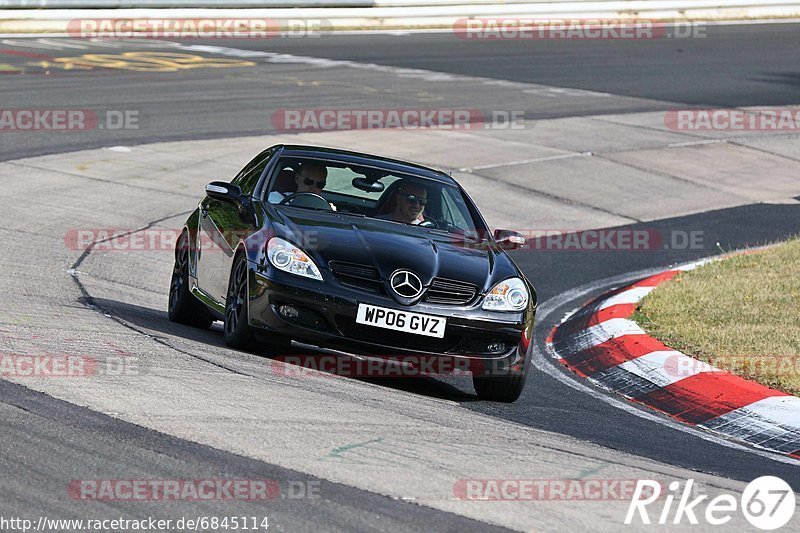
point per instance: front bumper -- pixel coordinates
(327, 312)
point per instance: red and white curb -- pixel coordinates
(602, 344)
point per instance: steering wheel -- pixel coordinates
(307, 199)
(429, 223)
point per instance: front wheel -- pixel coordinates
(499, 388)
(183, 307)
(238, 333)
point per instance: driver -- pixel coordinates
(410, 201)
(312, 178)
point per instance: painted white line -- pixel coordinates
(32, 44)
(631, 296)
(67, 43)
(666, 367)
(409, 31)
(697, 143)
(426, 75)
(751, 22)
(523, 162)
(695, 264)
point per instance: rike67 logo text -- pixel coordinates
(767, 503)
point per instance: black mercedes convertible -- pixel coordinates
(357, 253)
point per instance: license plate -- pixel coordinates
(417, 323)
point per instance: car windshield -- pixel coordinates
(373, 192)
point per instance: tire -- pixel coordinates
(500, 389)
(238, 333)
(183, 307)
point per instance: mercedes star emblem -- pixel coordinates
(406, 284)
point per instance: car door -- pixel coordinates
(221, 229)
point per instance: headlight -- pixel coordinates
(508, 295)
(286, 256)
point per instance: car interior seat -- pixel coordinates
(285, 181)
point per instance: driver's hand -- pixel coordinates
(333, 207)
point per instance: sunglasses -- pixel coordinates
(309, 182)
(414, 199)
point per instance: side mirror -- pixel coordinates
(509, 240)
(227, 192)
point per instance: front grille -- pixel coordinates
(448, 291)
(360, 276)
(398, 339)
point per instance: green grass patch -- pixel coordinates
(740, 314)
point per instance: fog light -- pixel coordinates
(287, 311)
(496, 347)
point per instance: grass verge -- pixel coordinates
(740, 314)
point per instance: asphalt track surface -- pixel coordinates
(726, 69)
(46, 441)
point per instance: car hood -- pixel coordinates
(389, 246)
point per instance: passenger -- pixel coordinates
(410, 200)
